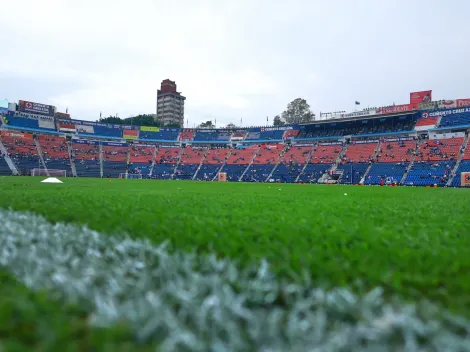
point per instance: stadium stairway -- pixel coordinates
(410, 165)
(41, 157)
(251, 163)
(374, 158)
(7, 159)
(177, 162)
(304, 167)
(200, 164)
(457, 169)
(72, 160)
(222, 166)
(277, 163)
(154, 159)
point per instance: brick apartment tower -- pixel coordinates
(170, 104)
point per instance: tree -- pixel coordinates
(298, 111)
(231, 125)
(278, 121)
(139, 120)
(207, 124)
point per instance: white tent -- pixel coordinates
(51, 180)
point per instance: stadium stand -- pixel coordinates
(186, 135)
(425, 173)
(162, 135)
(212, 163)
(141, 159)
(263, 163)
(313, 172)
(55, 153)
(455, 119)
(4, 168)
(189, 162)
(292, 163)
(114, 159)
(238, 161)
(389, 173)
(165, 162)
(86, 155)
(23, 152)
(352, 172)
(361, 152)
(439, 149)
(396, 151)
(325, 154)
(206, 136)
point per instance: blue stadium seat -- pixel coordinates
(88, 168)
(286, 173)
(313, 172)
(464, 166)
(382, 171)
(207, 172)
(113, 168)
(429, 173)
(257, 173)
(234, 171)
(185, 171)
(163, 171)
(353, 172)
(4, 168)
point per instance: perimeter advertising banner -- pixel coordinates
(16, 134)
(131, 134)
(417, 98)
(35, 108)
(149, 129)
(396, 109)
(462, 103)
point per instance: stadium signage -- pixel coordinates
(360, 113)
(35, 108)
(114, 144)
(417, 98)
(84, 141)
(330, 143)
(281, 128)
(15, 134)
(448, 112)
(403, 139)
(367, 141)
(396, 109)
(463, 103)
(304, 144)
(150, 129)
(206, 131)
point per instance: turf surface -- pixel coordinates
(413, 242)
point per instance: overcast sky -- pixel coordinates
(231, 58)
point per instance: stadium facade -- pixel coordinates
(420, 143)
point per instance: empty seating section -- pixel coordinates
(257, 173)
(55, 153)
(296, 155)
(392, 172)
(206, 136)
(290, 134)
(114, 160)
(234, 171)
(108, 131)
(425, 173)
(463, 167)
(357, 127)
(23, 152)
(224, 136)
(426, 120)
(87, 159)
(325, 154)
(4, 168)
(271, 135)
(165, 162)
(287, 172)
(396, 151)
(241, 156)
(439, 149)
(185, 171)
(360, 153)
(352, 173)
(253, 136)
(207, 172)
(313, 172)
(268, 154)
(186, 135)
(459, 119)
(161, 135)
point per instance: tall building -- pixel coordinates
(170, 104)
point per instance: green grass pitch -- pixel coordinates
(412, 242)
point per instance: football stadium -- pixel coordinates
(238, 216)
(347, 233)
